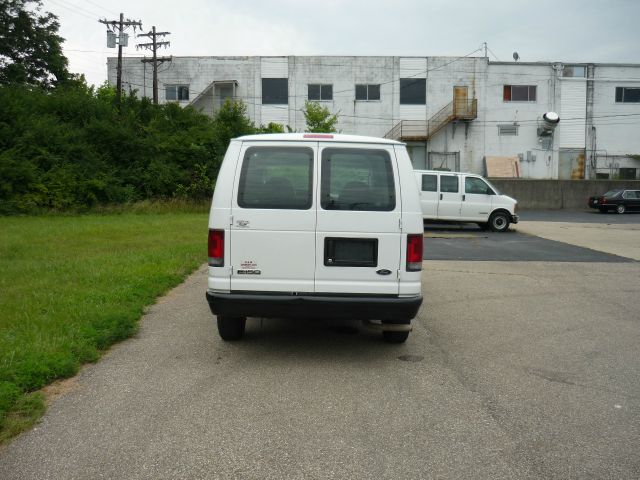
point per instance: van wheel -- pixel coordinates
(395, 337)
(499, 222)
(231, 328)
(621, 209)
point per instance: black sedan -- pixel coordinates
(619, 200)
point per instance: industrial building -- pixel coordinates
(453, 112)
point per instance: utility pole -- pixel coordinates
(153, 46)
(122, 39)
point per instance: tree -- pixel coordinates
(30, 47)
(319, 118)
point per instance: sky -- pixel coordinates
(568, 31)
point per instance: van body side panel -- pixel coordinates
(476, 206)
(219, 278)
(450, 201)
(410, 282)
(274, 218)
(428, 187)
(358, 222)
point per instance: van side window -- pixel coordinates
(429, 183)
(448, 184)
(276, 177)
(476, 185)
(357, 179)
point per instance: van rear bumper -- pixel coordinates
(268, 305)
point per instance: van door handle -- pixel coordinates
(440, 196)
(463, 197)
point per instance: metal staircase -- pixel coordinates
(423, 130)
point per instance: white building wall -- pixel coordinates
(412, 67)
(497, 111)
(616, 124)
(444, 74)
(373, 118)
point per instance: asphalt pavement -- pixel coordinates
(544, 235)
(523, 370)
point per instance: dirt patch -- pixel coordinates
(60, 388)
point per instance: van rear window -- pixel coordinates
(276, 178)
(357, 179)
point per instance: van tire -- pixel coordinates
(231, 328)
(395, 337)
(499, 221)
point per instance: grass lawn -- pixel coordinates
(72, 286)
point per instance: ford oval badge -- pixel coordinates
(384, 271)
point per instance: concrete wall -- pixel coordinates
(558, 194)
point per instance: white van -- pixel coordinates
(464, 197)
(315, 226)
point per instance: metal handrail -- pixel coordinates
(455, 110)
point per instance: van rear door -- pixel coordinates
(358, 237)
(273, 218)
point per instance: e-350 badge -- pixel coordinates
(249, 272)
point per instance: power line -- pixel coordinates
(78, 8)
(72, 9)
(456, 59)
(101, 7)
(570, 120)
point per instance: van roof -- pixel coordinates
(316, 137)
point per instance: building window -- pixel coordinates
(519, 93)
(320, 92)
(573, 71)
(413, 91)
(368, 92)
(275, 91)
(510, 129)
(176, 92)
(627, 95)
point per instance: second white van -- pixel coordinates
(464, 197)
(315, 226)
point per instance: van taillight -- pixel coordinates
(414, 252)
(216, 248)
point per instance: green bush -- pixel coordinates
(71, 148)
